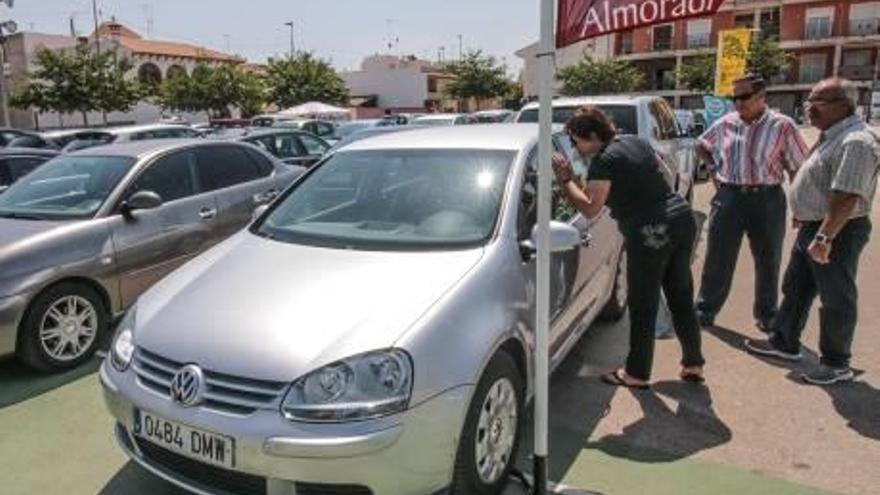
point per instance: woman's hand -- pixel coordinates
(562, 168)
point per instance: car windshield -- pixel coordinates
(65, 187)
(411, 199)
(623, 116)
(364, 134)
(351, 127)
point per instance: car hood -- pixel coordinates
(14, 231)
(258, 308)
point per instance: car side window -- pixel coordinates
(312, 145)
(21, 166)
(266, 143)
(528, 212)
(288, 146)
(5, 176)
(324, 129)
(224, 166)
(172, 177)
(264, 165)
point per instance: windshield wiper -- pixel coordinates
(20, 216)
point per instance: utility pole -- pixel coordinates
(95, 18)
(460, 48)
(292, 47)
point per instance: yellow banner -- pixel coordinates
(733, 54)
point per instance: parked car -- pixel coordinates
(56, 140)
(442, 119)
(15, 163)
(288, 145)
(368, 133)
(76, 139)
(492, 116)
(268, 120)
(371, 333)
(322, 128)
(649, 117)
(82, 236)
(346, 129)
(691, 121)
(7, 135)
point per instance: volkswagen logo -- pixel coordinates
(188, 386)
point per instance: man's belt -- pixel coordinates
(750, 188)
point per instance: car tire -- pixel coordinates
(62, 327)
(615, 308)
(496, 411)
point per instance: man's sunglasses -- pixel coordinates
(743, 97)
(823, 101)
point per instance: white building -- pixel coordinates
(399, 83)
(600, 48)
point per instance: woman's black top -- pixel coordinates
(639, 191)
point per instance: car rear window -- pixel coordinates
(623, 116)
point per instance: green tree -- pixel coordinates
(213, 89)
(303, 78)
(477, 76)
(513, 98)
(698, 74)
(767, 59)
(114, 90)
(595, 77)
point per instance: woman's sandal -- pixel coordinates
(615, 378)
(692, 376)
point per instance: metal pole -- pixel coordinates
(542, 304)
(292, 48)
(4, 100)
(873, 88)
(95, 18)
(460, 47)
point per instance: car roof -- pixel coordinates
(140, 149)
(477, 136)
(595, 100)
(439, 116)
(29, 151)
(140, 128)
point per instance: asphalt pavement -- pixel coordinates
(753, 429)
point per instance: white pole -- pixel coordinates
(542, 316)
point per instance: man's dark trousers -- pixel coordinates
(758, 212)
(835, 283)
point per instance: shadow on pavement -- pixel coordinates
(135, 480)
(857, 402)
(18, 383)
(692, 427)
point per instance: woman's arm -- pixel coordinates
(590, 200)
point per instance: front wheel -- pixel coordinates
(490, 437)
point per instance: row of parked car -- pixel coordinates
(368, 331)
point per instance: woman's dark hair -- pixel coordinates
(590, 120)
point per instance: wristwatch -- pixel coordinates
(822, 239)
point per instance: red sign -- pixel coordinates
(582, 19)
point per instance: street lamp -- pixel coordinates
(6, 28)
(292, 50)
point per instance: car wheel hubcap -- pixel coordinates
(68, 328)
(496, 431)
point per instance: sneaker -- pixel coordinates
(827, 375)
(766, 348)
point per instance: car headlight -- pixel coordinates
(122, 348)
(361, 387)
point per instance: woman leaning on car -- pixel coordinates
(659, 231)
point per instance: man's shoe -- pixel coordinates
(766, 348)
(827, 375)
(705, 319)
(764, 326)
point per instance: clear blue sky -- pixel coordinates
(340, 30)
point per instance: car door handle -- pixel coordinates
(208, 213)
(265, 196)
(586, 240)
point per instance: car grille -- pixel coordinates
(321, 489)
(225, 393)
(203, 474)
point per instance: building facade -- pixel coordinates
(825, 38)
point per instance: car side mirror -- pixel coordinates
(3, 189)
(259, 211)
(563, 237)
(141, 200)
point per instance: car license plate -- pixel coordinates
(202, 445)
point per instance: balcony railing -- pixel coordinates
(811, 76)
(695, 41)
(857, 72)
(864, 27)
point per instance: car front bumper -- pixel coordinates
(411, 453)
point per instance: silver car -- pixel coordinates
(371, 333)
(86, 233)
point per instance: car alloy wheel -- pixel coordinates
(496, 431)
(68, 328)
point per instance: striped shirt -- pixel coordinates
(846, 159)
(754, 154)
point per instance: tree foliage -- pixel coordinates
(698, 73)
(214, 89)
(303, 78)
(767, 59)
(477, 76)
(595, 77)
(78, 81)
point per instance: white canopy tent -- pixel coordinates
(316, 109)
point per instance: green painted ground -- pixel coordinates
(55, 433)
